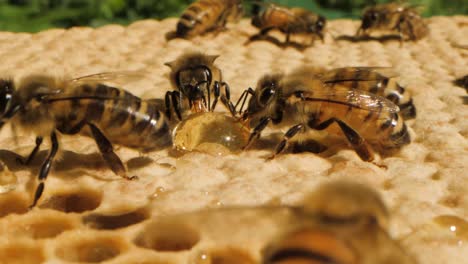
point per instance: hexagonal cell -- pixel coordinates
(21, 252)
(116, 221)
(89, 247)
(228, 255)
(13, 203)
(41, 224)
(168, 235)
(75, 201)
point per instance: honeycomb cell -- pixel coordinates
(76, 201)
(168, 236)
(116, 221)
(42, 224)
(21, 252)
(213, 133)
(90, 248)
(229, 255)
(13, 203)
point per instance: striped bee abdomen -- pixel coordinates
(205, 15)
(123, 118)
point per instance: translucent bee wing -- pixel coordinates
(357, 74)
(352, 97)
(117, 77)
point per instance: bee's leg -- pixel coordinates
(225, 98)
(257, 130)
(45, 168)
(357, 141)
(107, 152)
(243, 98)
(288, 38)
(33, 153)
(287, 136)
(167, 102)
(176, 103)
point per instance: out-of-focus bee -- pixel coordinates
(304, 104)
(349, 227)
(377, 80)
(394, 16)
(289, 21)
(46, 106)
(196, 79)
(207, 15)
(338, 222)
(462, 82)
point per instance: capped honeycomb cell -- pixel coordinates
(75, 201)
(13, 203)
(41, 224)
(21, 252)
(168, 236)
(116, 221)
(90, 247)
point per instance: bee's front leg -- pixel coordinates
(287, 136)
(225, 98)
(257, 130)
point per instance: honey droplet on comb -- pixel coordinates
(212, 133)
(454, 224)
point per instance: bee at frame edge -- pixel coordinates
(288, 21)
(45, 106)
(349, 226)
(196, 79)
(208, 15)
(394, 16)
(377, 80)
(312, 104)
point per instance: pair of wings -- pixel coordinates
(118, 78)
(335, 90)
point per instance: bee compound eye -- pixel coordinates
(265, 96)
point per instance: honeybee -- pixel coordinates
(405, 19)
(304, 104)
(338, 222)
(46, 106)
(349, 226)
(289, 21)
(196, 78)
(207, 15)
(462, 82)
(377, 80)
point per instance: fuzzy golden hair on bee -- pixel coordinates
(188, 60)
(346, 200)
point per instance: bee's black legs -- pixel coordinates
(225, 98)
(258, 130)
(45, 168)
(172, 99)
(243, 98)
(287, 136)
(357, 142)
(107, 152)
(33, 153)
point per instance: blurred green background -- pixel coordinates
(36, 15)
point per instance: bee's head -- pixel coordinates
(194, 82)
(265, 96)
(7, 90)
(370, 18)
(320, 24)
